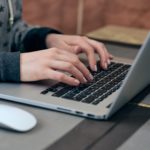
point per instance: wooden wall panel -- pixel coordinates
(132, 13)
(62, 14)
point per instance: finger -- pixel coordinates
(107, 55)
(62, 77)
(89, 50)
(84, 70)
(110, 56)
(102, 52)
(68, 67)
(72, 58)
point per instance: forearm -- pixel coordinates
(10, 66)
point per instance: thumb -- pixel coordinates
(76, 49)
(72, 48)
(67, 47)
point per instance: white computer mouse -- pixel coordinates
(16, 119)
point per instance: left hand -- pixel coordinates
(77, 44)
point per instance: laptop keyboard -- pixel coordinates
(105, 82)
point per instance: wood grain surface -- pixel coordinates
(62, 14)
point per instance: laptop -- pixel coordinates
(99, 99)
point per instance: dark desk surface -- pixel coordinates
(75, 133)
(106, 135)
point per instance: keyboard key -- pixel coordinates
(62, 92)
(44, 92)
(89, 99)
(97, 101)
(69, 95)
(80, 96)
(56, 87)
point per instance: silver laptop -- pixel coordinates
(99, 99)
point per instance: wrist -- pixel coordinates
(50, 39)
(38, 37)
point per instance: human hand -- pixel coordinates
(78, 44)
(50, 64)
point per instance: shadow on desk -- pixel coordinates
(106, 135)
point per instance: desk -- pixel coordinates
(59, 131)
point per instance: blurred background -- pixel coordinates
(82, 16)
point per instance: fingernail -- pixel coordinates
(111, 56)
(84, 80)
(95, 68)
(108, 61)
(91, 77)
(77, 82)
(105, 65)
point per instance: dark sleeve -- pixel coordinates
(10, 66)
(35, 39)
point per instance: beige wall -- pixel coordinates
(62, 14)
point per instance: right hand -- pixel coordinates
(52, 64)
